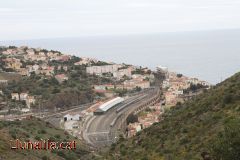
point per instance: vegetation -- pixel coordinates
(35, 130)
(132, 118)
(73, 92)
(48, 91)
(206, 127)
(195, 88)
(227, 144)
(141, 71)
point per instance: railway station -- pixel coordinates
(108, 105)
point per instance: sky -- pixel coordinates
(37, 19)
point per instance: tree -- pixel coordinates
(138, 89)
(132, 118)
(179, 75)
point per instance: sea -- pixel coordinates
(212, 55)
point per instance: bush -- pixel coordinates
(43, 131)
(132, 118)
(13, 133)
(57, 136)
(227, 99)
(227, 144)
(45, 158)
(37, 138)
(55, 90)
(61, 154)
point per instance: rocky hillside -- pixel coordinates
(206, 127)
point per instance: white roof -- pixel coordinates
(106, 106)
(162, 67)
(72, 115)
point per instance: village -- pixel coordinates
(26, 62)
(174, 92)
(123, 79)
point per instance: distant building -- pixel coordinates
(61, 78)
(24, 72)
(85, 61)
(109, 104)
(171, 98)
(162, 69)
(72, 117)
(35, 67)
(63, 58)
(15, 96)
(65, 68)
(3, 81)
(119, 86)
(13, 63)
(132, 84)
(59, 67)
(30, 51)
(104, 87)
(23, 96)
(25, 110)
(103, 69)
(9, 52)
(30, 101)
(133, 128)
(166, 84)
(48, 71)
(162, 72)
(123, 72)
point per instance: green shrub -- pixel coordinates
(38, 138)
(227, 144)
(45, 158)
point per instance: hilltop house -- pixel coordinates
(85, 61)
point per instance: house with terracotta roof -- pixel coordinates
(61, 78)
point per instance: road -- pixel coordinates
(103, 130)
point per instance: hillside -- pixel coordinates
(35, 130)
(9, 76)
(206, 127)
(48, 77)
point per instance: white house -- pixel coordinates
(72, 117)
(23, 96)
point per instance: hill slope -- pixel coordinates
(36, 130)
(206, 127)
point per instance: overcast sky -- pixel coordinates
(34, 19)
